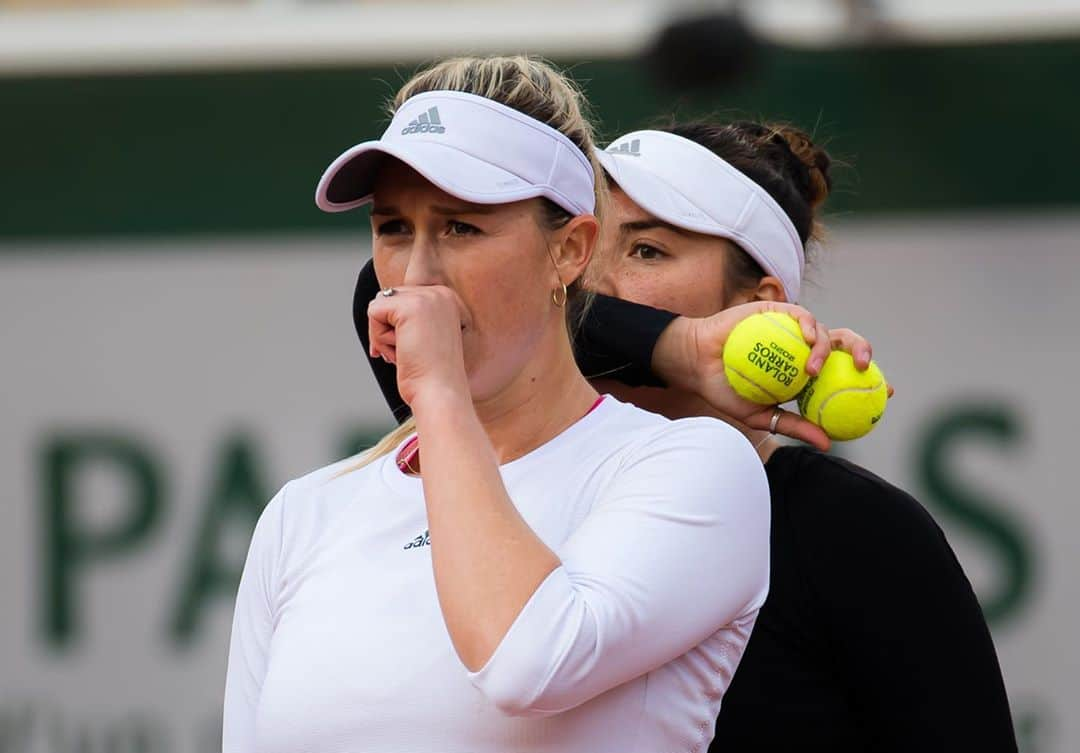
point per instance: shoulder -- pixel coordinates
(310, 503)
(851, 528)
(690, 460)
(889, 601)
(634, 431)
(832, 494)
(334, 477)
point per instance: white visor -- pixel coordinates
(471, 147)
(681, 182)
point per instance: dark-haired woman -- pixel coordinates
(871, 638)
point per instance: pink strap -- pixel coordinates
(599, 399)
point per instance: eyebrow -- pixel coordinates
(651, 224)
(385, 210)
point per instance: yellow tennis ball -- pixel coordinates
(765, 358)
(845, 402)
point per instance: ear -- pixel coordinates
(768, 288)
(572, 246)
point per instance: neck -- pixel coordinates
(542, 401)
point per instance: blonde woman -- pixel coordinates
(518, 569)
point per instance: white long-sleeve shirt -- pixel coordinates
(662, 529)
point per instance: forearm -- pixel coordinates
(617, 339)
(625, 598)
(367, 287)
(486, 559)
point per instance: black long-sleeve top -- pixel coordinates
(871, 638)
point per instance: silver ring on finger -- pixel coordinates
(387, 292)
(775, 420)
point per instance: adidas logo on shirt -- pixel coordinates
(427, 122)
(632, 148)
(419, 541)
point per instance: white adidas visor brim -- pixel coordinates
(470, 147)
(681, 182)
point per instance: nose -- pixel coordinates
(424, 266)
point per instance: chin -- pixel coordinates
(491, 370)
(483, 384)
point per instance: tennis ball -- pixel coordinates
(845, 402)
(765, 358)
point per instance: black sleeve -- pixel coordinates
(908, 634)
(616, 339)
(367, 287)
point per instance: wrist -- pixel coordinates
(674, 357)
(446, 418)
(439, 398)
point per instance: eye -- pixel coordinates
(645, 252)
(456, 227)
(390, 227)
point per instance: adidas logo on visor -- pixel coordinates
(427, 122)
(632, 148)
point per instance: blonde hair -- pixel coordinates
(531, 86)
(383, 447)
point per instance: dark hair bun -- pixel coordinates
(813, 165)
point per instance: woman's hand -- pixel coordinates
(859, 348)
(418, 328)
(687, 356)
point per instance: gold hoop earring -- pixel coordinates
(562, 285)
(558, 300)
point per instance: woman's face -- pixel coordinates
(645, 260)
(493, 256)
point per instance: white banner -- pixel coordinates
(155, 394)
